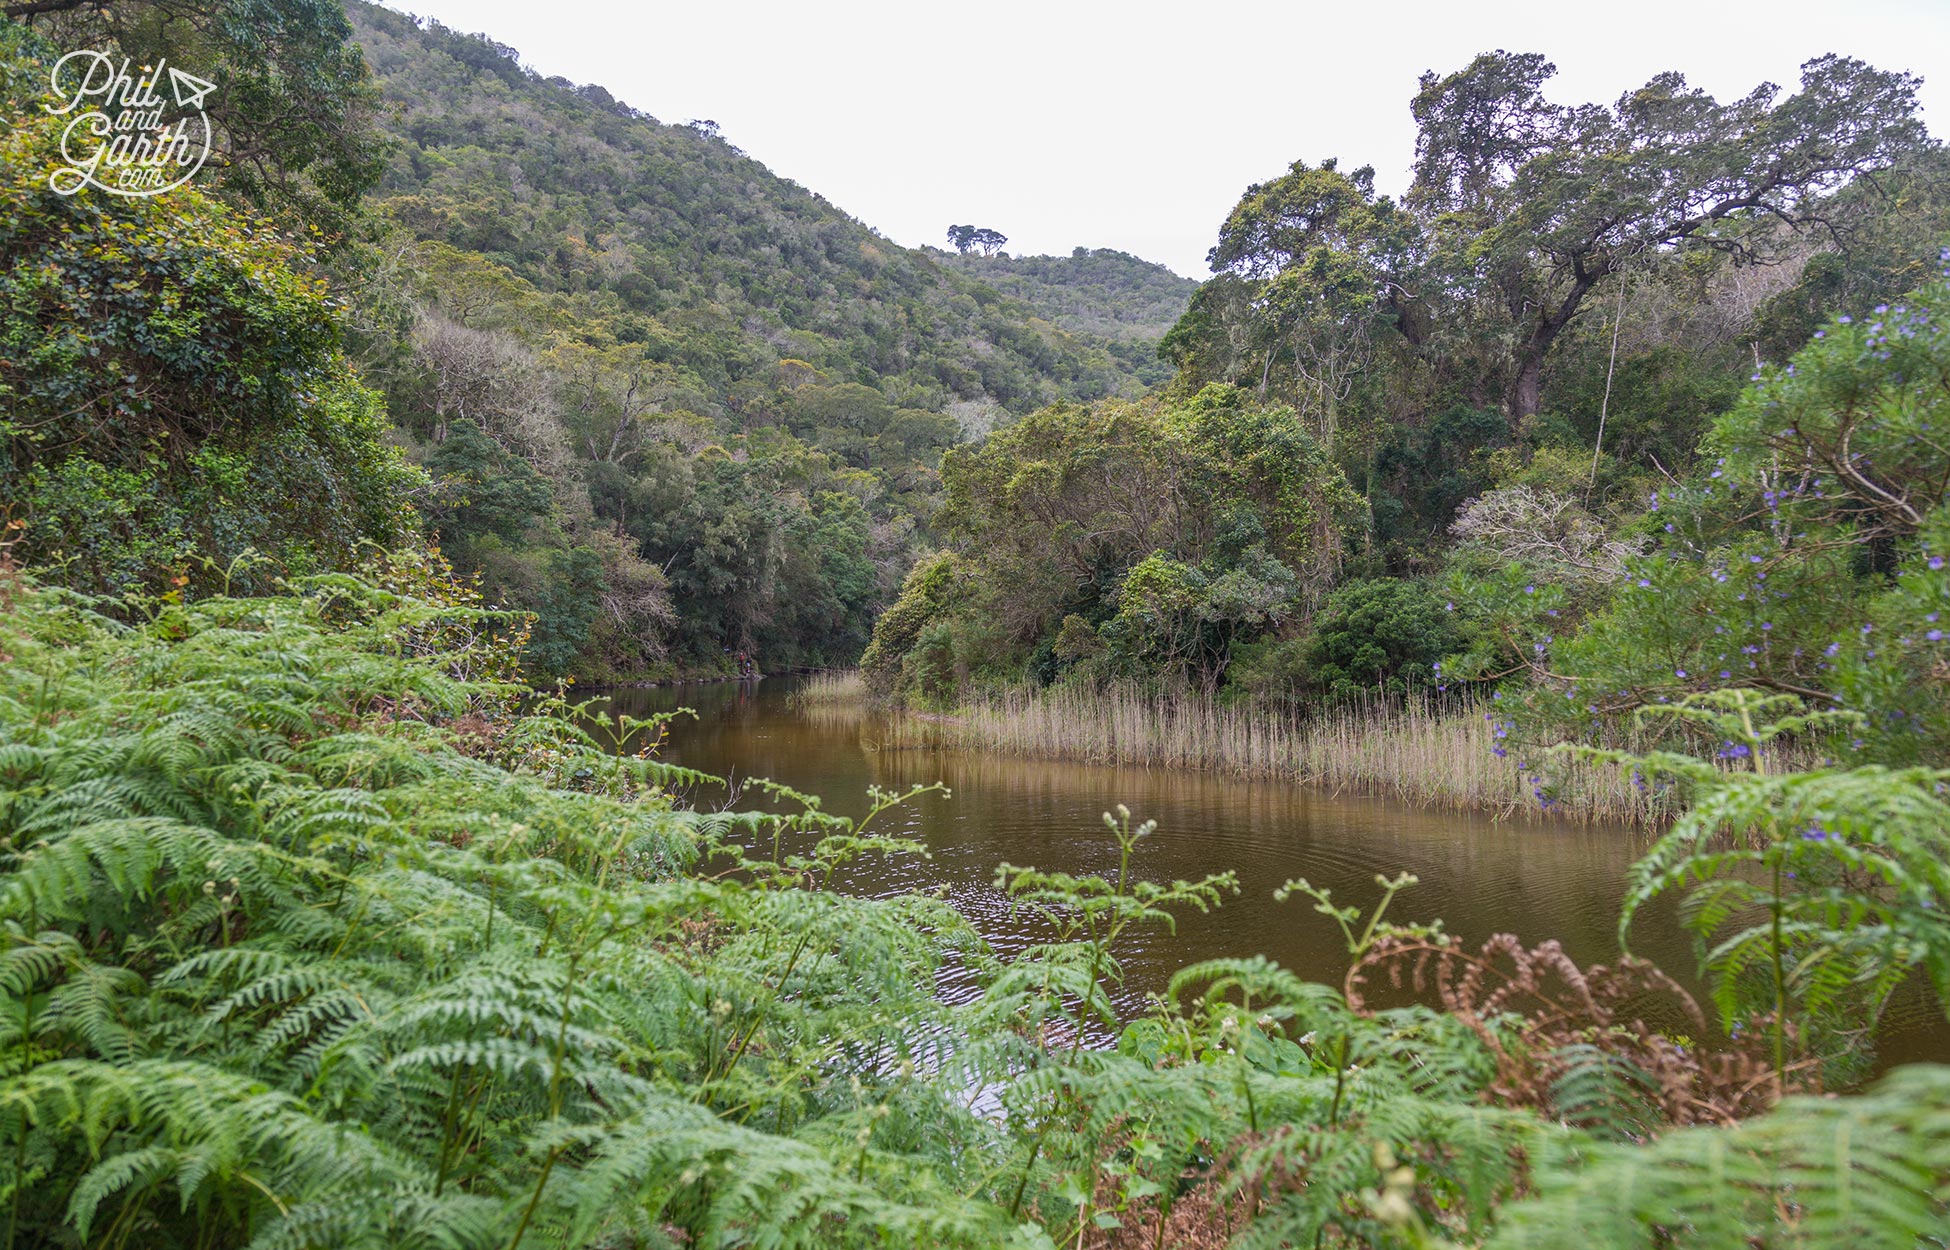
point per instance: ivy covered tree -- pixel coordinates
(175, 394)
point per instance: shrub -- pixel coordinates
(174, 394)
(1386, 634)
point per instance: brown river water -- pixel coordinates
(1536, 878)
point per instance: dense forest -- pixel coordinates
(328, 919)
(1092, 290)
(1609, 409)
(669, 403)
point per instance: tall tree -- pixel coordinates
(1533, 204)
(965, 239)
(1319, 255)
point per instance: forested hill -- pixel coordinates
(1097, 291)
(734, 267)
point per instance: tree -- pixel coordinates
(1169, 531)
(484, 490)
(980, 238)
(1374, 635)
(294, 109)
(1533, 204)
(172, 393)
(1318, 254)
(489, 378)
(608, 392)
(1810, 554)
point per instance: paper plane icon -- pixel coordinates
(189, 89)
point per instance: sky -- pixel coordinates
(1134, 126)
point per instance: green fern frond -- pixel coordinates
(1864, 1173)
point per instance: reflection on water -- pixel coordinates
(1536, 879)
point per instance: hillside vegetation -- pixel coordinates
(322, 926)
(735, 393)
(1093, 290)
(676, 407)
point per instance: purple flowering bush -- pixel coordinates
(1808, 556)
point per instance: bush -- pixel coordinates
(174, 395)
(927, 592)
(1382, 635)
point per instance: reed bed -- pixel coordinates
(835, 701)
(832, 686)
(1429, 754)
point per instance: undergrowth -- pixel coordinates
(316, 933)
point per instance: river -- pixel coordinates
(1536, 878)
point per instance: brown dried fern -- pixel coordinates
(1533, 1006)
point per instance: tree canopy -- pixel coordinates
(178, 406)
(966, 239)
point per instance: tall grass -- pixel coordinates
(1426, 753)
(829, 687)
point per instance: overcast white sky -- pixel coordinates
(1127, 125)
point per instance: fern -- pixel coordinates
(287, 959)
(1871, 1172)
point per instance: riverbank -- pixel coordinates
(1420, 753)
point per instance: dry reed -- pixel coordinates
(830, 686)
(1423, 753)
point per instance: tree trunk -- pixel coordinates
(1527, 391)
(1527, 387)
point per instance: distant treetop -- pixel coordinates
(976, 238)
